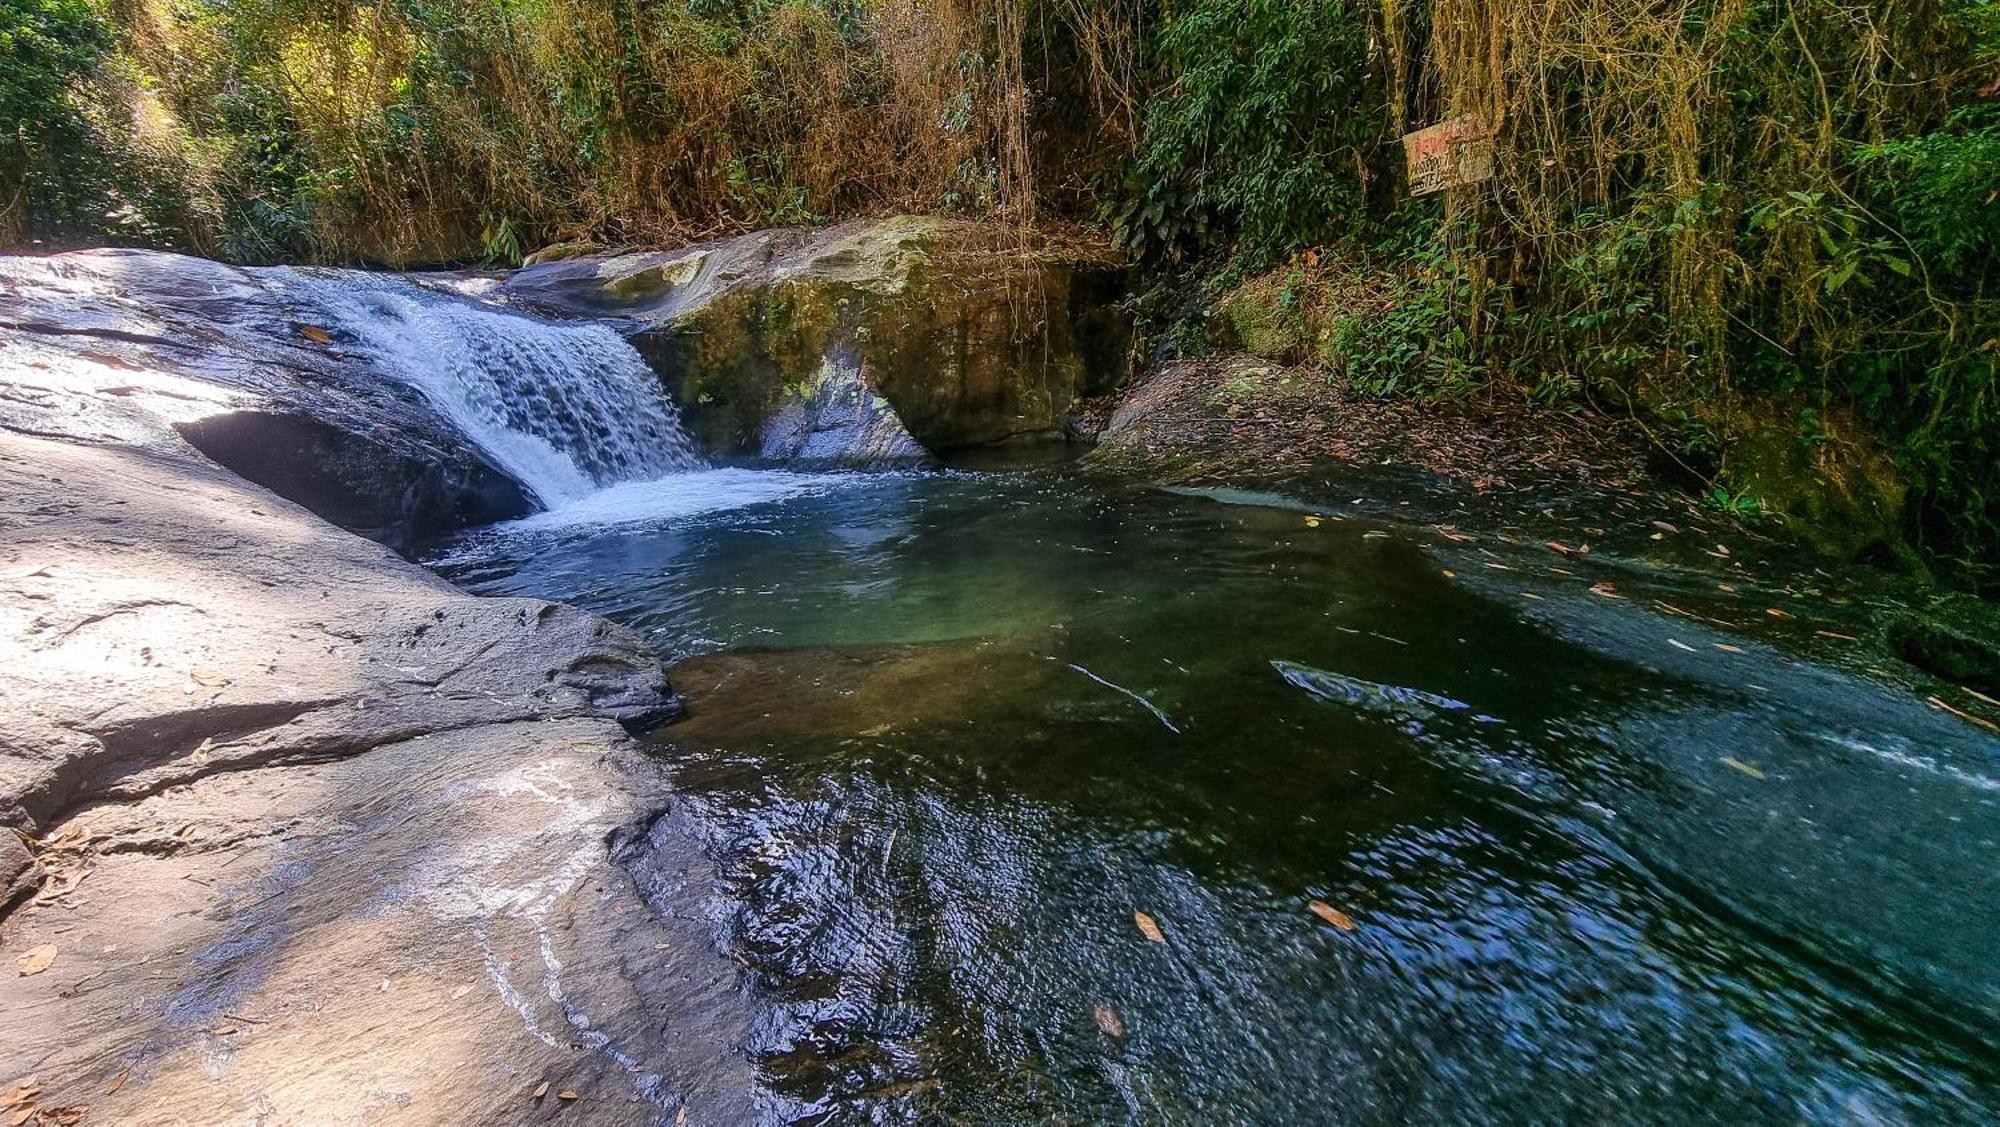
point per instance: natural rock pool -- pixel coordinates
(1030, 798)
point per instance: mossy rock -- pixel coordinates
(1266, 318)
(974, 338)
(1840, 494)
(1957, 638)
(1845, 499)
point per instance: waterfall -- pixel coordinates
(567, 410)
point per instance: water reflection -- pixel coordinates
(950, 733)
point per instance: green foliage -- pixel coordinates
(1265, 117)
(1938, 189)
(51, 174)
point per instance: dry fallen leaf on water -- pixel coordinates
(1774, 612)
(460, 993)
(1680, 645)
(1332, 915)
(61, 1116)
(541, 1090)
(117, 1084)
(1663, 526)
(1554, 546)
(21, 1115)
(566, 1094)
(1107, 1019)
(35, 960)
(1737, 764)
(1312, 522)
(681, 1116)
(1835, 634)
(1606, 590)
(1148, 927)
(1375, 535)
(1725, 647)
(223, 1030)
(1964, 715)
(315, 334)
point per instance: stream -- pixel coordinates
(1033, 797)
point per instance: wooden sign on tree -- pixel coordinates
(1447, 155)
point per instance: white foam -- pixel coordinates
(564, 409)
(676, 496)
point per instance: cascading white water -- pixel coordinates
(567, 410)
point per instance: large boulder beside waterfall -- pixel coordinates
(972, 335)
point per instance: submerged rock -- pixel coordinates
(970, 338)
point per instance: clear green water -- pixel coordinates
(949, 733)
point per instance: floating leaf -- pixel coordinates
(117, 1084)
(1774, 612)
(1964, 715)
(1149, 927)
(35, 960)
(21, 1115)
(1725, 647)
(1680, 645)
(541, 1090)
(1312, 522)
(1663, 526)
(1605, 590)
(223, 1030)
(209, 677)
(1107, 1019)
(315, 334)
(566, 1094)
(1737, 764)
(1332, 915)
(1554, 546)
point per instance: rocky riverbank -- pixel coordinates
(273, 795)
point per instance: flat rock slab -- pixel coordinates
(424, 934)
(162, 619)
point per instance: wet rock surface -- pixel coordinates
(971, 339)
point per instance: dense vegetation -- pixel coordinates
(1739, 219)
